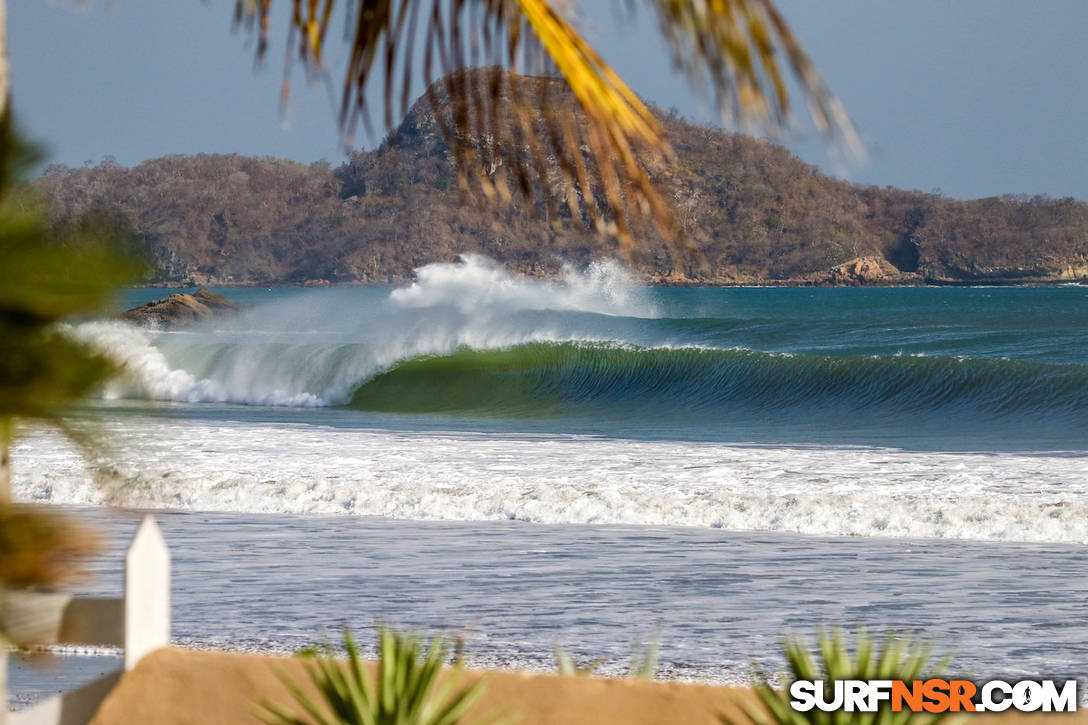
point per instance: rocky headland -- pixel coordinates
(758, 214)
(180, 310)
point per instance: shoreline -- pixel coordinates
(725, 603)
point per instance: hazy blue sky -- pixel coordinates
(975, 97)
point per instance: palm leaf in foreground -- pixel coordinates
(406, 687)
(501, 144)
(48, 273)
(896, 658)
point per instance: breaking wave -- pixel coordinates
(542, 378)
(526, 374)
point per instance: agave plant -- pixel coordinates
(644, 659)
(642, 666)
(406, 687)
(896, 657)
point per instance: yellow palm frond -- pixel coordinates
(735, 46)
(544, 109)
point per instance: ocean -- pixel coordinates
(586, 462)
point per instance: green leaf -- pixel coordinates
(897, 658)
(407, 691)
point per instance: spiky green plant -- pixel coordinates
(897, 657)
(566, 665)
(643, 663)
(643, 659)
(406, 687)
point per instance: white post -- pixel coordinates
(147, 593)
(3, 681)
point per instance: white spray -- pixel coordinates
(314, 350)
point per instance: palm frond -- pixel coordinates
(736, 47)
(503, 136)
(48, 272)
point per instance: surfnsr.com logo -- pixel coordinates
(934, 695)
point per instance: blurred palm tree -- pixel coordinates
(48, 273)
(501, 127)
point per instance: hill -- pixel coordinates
(759, 215)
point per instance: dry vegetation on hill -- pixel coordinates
(757, 213)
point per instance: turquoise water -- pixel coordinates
(927, 368)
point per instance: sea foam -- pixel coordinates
(315, 469)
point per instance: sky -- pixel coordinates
(970, 97)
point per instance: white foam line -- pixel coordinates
(815, 490)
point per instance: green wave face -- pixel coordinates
(555, 379)
(521, 381)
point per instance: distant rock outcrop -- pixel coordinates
(181, 309)
(861, 271)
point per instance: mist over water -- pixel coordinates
(304, 352)
(478, 286)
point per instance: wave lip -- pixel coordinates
(151, 375)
